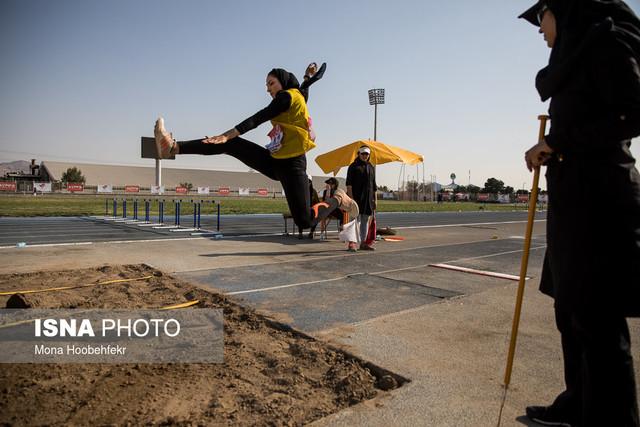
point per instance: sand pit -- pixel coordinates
(270, 376)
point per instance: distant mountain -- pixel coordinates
(17, 166)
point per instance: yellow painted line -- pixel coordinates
(75, 287)
(186, 304)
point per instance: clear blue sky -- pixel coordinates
(83, 80)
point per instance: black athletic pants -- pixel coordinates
(598, 370)
(292, 174)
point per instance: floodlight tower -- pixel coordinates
(376, 96)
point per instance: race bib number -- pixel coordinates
(312, 134)
(276, 139)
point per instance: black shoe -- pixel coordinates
(549, 416)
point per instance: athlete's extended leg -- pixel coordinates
(295, 188)
(249, 153)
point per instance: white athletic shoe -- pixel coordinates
(164, 143)
(347, 204)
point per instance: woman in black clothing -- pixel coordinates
(284, 158)
(361, 187)
(592, 263)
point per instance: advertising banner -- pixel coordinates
(224, 191)
(483, 196)
(523, 197)
(132, 189)
(182, 190)
(43, 187)
(503, 198)
(105, 188)
(243, 191)
(157, 190)
(263, 192)
(75, 187)
(203, 190)
(543, 198)
(8, 186)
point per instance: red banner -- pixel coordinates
(75, 187)
(263, 192)
(483, 197)
(132, 189)
(523, 197)
(223, 191)
(182, 190)
(8, 186)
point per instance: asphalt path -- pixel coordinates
(323, 292)
(324, 289)
(74, 230)
(319, 290)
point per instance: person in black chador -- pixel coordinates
(592, 263)
(361, 187)
(283, 159)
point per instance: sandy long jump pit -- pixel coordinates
(271, 375)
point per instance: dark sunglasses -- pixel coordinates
(541, 12)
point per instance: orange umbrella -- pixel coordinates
(381, 153)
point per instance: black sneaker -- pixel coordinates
(549, 416)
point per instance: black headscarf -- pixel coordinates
(579, 24)
(286, 79)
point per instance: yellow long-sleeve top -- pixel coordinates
(288, 110)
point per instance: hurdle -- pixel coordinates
(177, 223)
(147, 218)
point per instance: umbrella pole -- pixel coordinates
(523, 272)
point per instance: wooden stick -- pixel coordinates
(523, 272)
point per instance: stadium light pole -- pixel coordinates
(376, 96)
